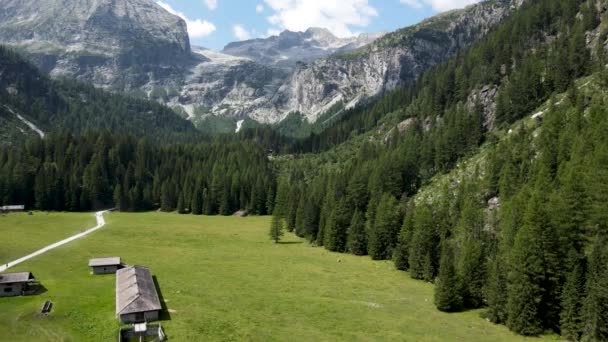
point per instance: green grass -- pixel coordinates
(23, 234)
(223, 280)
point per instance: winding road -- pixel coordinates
(100, 223)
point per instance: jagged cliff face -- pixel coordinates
(392, 61)
(348, 77)
(115, 44)
(137, 46)
(289, 47)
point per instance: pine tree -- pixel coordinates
(472, 273)
(402, 251)
(276, 229)
(424, 245)
(571, 320)
(527, 276)
(181, 205)
(337, 226)
(495, 290)
(595, 305)
(383, 236)
(357, 236)
(447, 288)
(197, 201)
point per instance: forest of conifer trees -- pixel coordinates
(537, 260)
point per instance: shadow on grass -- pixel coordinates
(40, 289)
(164, 315)
(289, 243)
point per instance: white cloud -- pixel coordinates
(240, 32)
(259, 8)
(197, 28)
(338, 16)
(439, 5)
(211, 4)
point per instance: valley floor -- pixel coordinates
(221, 279)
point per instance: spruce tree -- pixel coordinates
(495, 290)
(276, 228)
(357, 236)
(447, 288)
(337, 226)
(527, 276)
(571, 318)
(595, 305)
(383, 236)
(402, 251)
(425, 242)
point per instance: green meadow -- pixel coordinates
(221, 280)
(22, 234)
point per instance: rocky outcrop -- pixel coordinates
(113, 44)
(485, 97)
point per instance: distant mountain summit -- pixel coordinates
(290, 47)
(97, 40)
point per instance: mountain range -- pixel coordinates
(139, 48)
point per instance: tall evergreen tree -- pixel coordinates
(357, 236)
(276, 229)
(447, 289)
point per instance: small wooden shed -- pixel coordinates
(137, 300)
(17, 284)
(11, 208)
(105, 265)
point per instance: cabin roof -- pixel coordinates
(22, 277)
(112, 261)
(135, 291)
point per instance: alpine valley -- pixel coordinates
(445, 181)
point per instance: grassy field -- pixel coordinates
(223, 280)
(23, 234)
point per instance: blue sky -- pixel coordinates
(214, 23)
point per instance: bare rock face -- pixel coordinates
(486, 98)
(289, 48)
(394, 60)
(118, 44)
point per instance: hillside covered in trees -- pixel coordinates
(54, 106)
(523, 232)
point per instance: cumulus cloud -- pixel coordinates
(211, 4)
(439, 5)
(197, 28)
(240, 32)
(338, 16)
(259, 8)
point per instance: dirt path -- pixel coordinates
(100, 223)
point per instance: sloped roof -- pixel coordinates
(113, 261)
(135, 291)
(22, 277)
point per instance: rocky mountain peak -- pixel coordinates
(106, 35)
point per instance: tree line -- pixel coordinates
(102, 169)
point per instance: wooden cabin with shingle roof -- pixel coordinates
(17, 284)
(137, 300)
(105, 265)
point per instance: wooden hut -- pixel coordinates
(137, 300)
(17, 284)
(105, 265)
(11, 208)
